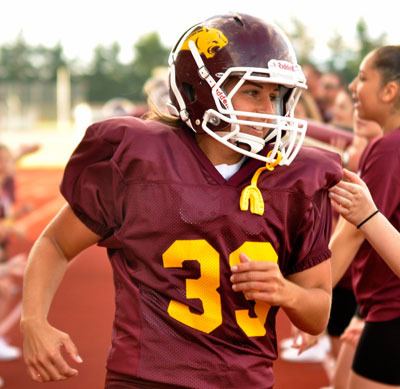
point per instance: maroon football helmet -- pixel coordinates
(247, 49)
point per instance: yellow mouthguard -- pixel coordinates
(251, 194)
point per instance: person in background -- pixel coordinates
(335, 351)
(313, 76)
(365, 132)
(157, 91)
(11, 267)
(307, 108)
(330, 84)
(344, 318)
(214, 217)
(342, 111)
(376, 92)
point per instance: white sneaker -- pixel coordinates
(316, 353)
(8, 352)
(286, 343)
(325, 343)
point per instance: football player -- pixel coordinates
(213, 217)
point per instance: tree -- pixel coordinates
(108, 77)
(50, 59)
(149, 53)
(346, 60)
(22, 62)
(15, 64)
(104, 78)
(302, 42)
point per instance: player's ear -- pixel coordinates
(390, 91)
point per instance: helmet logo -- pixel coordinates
(283, 65)
(208, 41)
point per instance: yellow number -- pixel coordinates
(257, 251)
(203, 288)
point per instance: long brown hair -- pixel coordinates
(155, 114)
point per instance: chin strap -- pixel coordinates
(251, 195)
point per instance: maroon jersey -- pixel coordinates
(173, 228)
(376, 287)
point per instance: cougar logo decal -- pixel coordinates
(208, 41)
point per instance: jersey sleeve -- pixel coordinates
(315, 227)
(314, 233)
(92, 183)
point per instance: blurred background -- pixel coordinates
(64, 65)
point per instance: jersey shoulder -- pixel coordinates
(314, 169)
(127, 139)
(126, 129)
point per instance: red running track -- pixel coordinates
(83, 306)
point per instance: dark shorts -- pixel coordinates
(377, 355)
(343, 308)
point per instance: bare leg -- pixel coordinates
(344, 361)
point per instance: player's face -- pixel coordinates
(366, 89)
(256, 97)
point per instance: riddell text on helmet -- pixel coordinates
(222, 97)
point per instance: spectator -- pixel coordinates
(9, 267)
(330, 84)
(376, 92)
(156, 90)
(365, 131)
(307, 108)
(322, 349)
(342, 110)
(313, 76)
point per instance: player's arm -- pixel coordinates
(354, 202)
(344, 244)
(385, 239)
(61, 241)
(309, 299)
(304, 296)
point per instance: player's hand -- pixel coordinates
(351, 198)
(260, 280)
(44, 348)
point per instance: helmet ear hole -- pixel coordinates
(189, 92)
(238, 20)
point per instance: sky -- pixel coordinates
(80, 25)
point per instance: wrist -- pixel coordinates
(31, 321)
(369, 217)
(291, 296)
